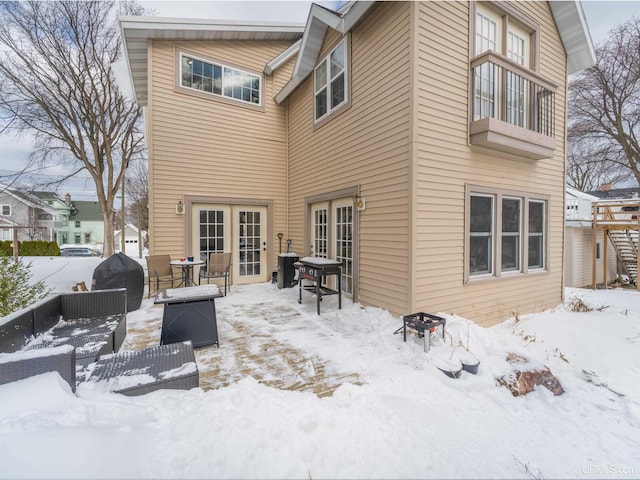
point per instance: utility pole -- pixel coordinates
(122, 242)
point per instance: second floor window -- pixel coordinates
(330, 82)
(220, 80)
(6, 210)
(77, 223)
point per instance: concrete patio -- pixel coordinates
(246, 351)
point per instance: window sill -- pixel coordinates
(502, 136)
(505, 276)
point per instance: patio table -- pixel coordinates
(189, 314)
(187, 270)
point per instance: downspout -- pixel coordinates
(413, 129)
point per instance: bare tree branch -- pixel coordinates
(57, 82)
(604, 103)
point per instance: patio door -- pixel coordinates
(331, 235)
(342, 225)
(239, 230)
(250, 244)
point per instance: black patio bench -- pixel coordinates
(171, 366)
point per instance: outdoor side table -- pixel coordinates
(187, 270)
(189, 314)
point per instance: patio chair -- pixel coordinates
(219, 266)
(160, 272)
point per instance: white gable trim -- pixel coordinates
(317, 23)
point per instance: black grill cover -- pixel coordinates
(120, 271)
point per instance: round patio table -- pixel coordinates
(187, 270)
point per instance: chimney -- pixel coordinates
(605, 187)
(67, 199)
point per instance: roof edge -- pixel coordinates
(319, 19)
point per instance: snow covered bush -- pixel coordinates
(15, 290)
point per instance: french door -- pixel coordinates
(236, 229)
(331, 228)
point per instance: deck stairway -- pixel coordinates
(625, 243)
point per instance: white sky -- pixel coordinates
(602, 16)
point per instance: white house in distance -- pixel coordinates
(578, 247)
(132, 237)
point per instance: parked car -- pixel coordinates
(78, 252)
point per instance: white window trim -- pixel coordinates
(222, 66)
(2, 207)
(327, 61)
(496, 253)
(545, 236)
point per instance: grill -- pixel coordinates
(316, 269)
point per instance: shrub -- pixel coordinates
(15, 290)
(6, 250)
(30, 248)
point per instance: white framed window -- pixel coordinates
(486, 32)
(481, 219)
(330, 82)
(511, 234)
(537, 226)
(6, 210)
(506, 233)
(220, 80)
(77, 223)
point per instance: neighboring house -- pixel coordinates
(421, 144)
(131, 239)
(63, 212)
(86, 224)
(31, 217)
(80, 223)
(579, 252)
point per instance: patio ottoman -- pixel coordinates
(138, 372)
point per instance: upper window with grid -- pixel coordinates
(220, 80)
(493, 29)
(330, 82)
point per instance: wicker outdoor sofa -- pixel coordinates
(67, 333)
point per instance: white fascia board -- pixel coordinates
(318, 21)
(281, 59)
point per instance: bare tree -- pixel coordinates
(57, 82)
(137, 187)
(604, 101)
(589, 167)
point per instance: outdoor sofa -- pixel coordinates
(68, 332)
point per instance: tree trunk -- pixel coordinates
(109, 230)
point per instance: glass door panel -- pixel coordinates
(250, 244)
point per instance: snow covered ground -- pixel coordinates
(407, 420)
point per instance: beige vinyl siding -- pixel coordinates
(445, 164)
(366, 145)
(209, 148)
(578, 258)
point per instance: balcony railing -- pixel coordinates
(513, 108)
(578, 209)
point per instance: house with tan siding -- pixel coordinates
(421, 144)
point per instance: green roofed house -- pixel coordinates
(81, 221)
